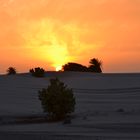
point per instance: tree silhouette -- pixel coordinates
(37, 72)
(95, 65)
(11, 71)
(74, 67)
(57, 100)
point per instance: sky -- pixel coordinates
(50, 33)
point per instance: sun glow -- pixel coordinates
(58, 68)
(49, 45)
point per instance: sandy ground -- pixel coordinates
(99, 98)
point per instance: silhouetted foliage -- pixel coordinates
(57, 100)
(37, 72)
(11, 71)
(95, 66)
(74, 67)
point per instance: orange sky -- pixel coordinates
(50, 33)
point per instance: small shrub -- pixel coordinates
(37, 72)
(11, 71)
(57, 100)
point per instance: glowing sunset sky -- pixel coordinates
(50, 33)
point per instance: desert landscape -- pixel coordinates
(69, 69)
(107, 107)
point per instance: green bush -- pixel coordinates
(57, 100)
(37, 72)
(11, 71)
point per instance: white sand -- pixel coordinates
(98, 97)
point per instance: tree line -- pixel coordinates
(95, 66)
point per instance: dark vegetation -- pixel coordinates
(11, 71)
(37, 72)
(95, 66)
(57, 100)
(74, 67)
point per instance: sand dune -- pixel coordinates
(99, 97)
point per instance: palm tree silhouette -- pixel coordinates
(95, 65)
